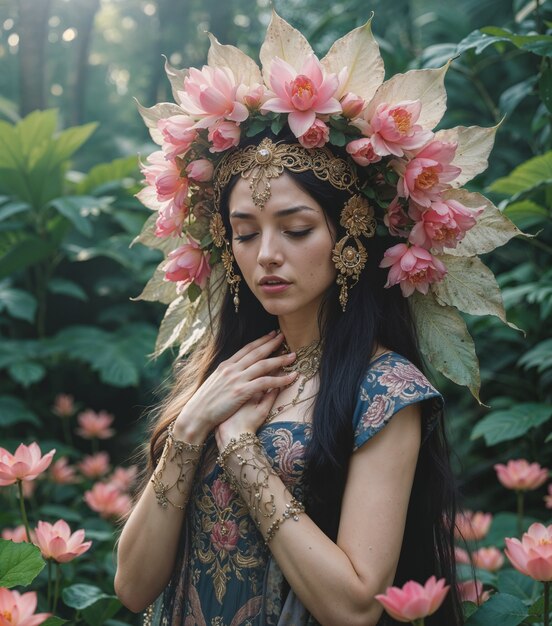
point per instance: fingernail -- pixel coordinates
(278, 331)
(291, 355)
(272, 333)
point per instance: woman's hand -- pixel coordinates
(246, 375)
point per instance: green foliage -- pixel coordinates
(20, 563)
(501, 608)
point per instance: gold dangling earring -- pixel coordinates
(357, 217)
(218, 234)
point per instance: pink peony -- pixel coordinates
(178, 135)
(225, 535)
(472, 591)
(124, 477)
(425, 176)
(58, 543)
(521, 475)
(223, 135)
(393, 128)
(532, 555)
(210, 94)
(396, 219)
(107, 500)
(62, 473)
(200, 170)
(414, 601)
(442, 225)
(548, 498)
(64, 405)
(18, 609)
(26, 464)
(412, 267)
(316, 136)
(94, 425)
(95, 465)
(188, 264)
(351, 105)
(362, 151)
(17, 534)
(490, 559)
(472, 526)
(302, 94)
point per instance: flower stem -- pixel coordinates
(520, 496)
(56, 589)
(546, 602)
(23, 511)
(49, 595)
(418, 622)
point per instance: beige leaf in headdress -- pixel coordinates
(158, 289)
(358, 51)
(159, 111)
(284, 41)
(445, 341)
(148, 197)
(178, 314)
(176, 78)
(474, 146)
(428, 86)
(147, 234)
(492, 229)
(245, 70)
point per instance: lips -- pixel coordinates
(273, 280)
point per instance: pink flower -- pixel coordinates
(441, 225)
(472, 591)
(17, 534)
(393, 128)
(414, 601)
(316, 136)
(412, 267)
(19, 609)
(521, 475)
(178, 135)
(396, 219)
(107, 500)
(124, 477)
(171, 219)
(428, 173)
(210, 94)
(200, 170)
(224, 135)
(461, 556)
(472, 526)
(302, 94)
(362, 151)
(188, 264)
(57, 542)
(490, 559)
(351, 105)
(26, 464)
(95, 425)
(225, 535)
(223, 494)
(254, 97)
(64, 405)
(164, 175)
(548, 498)
(95, 465)
(532, 555)
(62, 473)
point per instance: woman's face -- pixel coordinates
(283, 250)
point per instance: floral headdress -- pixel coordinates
(414, 179)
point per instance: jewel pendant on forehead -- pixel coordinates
(263, 155)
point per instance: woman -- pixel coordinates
(299, 466)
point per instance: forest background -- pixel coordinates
(69, 321)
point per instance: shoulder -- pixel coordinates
(391, 383)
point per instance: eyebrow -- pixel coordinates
(240, 215)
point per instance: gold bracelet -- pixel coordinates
(293, 510)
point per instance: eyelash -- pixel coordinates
(291, 233)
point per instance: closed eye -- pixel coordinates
(290, 233)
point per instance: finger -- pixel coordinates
(260, 352)
(266, 366)
(264, 383)
(251, 346)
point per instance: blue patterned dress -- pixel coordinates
(225, 575)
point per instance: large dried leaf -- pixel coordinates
(245, 70)
(492, 229)
(158, 289)
(474, 146)
(179, 313)
(358, 51)
(285, 42)
(445, 341)
(176, 78)
(153, 114)
(147, 238)
(148, 197)
(428, 86)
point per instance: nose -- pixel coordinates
(270, 252)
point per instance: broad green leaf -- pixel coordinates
(13, 208)
(70, 140)
(540, 356)
(505, 425)
(77, 209)
(445, 341)
(27, 252)
(465, 572)
(478, 41)
(13, 411)
(511, 97)
(36, 129)
(20, 563)
(11, 154)
(515, 583)
(81, 596)
(500, 608)
(538, 44)
(26, 373)
(545, 88)
(18, 303)
(102, 610)
(527, 176)
(526, 212)
(65, 287)
(54, 621)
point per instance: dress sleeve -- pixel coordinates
(392, 383)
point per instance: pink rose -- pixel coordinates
(200, 170)
(352, 105)
(188, 264)
(362, 151)
(224, 135)
(225, 535)
(316, 136)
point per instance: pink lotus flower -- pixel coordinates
(95, 465)
(19, 609)
(62, 473)
(302, 94)
(490, 559)
(94, 425)
(548, 498)
(225, 535)
(188, 264)
(223, 135)
(255, 96)
(210, 94)
(170, 220)
(414, 601)
(461, 556)
(472, 591)
(351, 105)
(64, 405)
(532, 555)
(58, 543)
(412, 268)
(124, 477)
(396, 219)
(200, 170)
(108, 501)
(472, 526)
(316, 136)
(17, 534)
(393, 128)
(26, 464)
(165, 176)
(521, 475)
(428, 173)
(362, 151)
(178, 135)
(441, 225)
